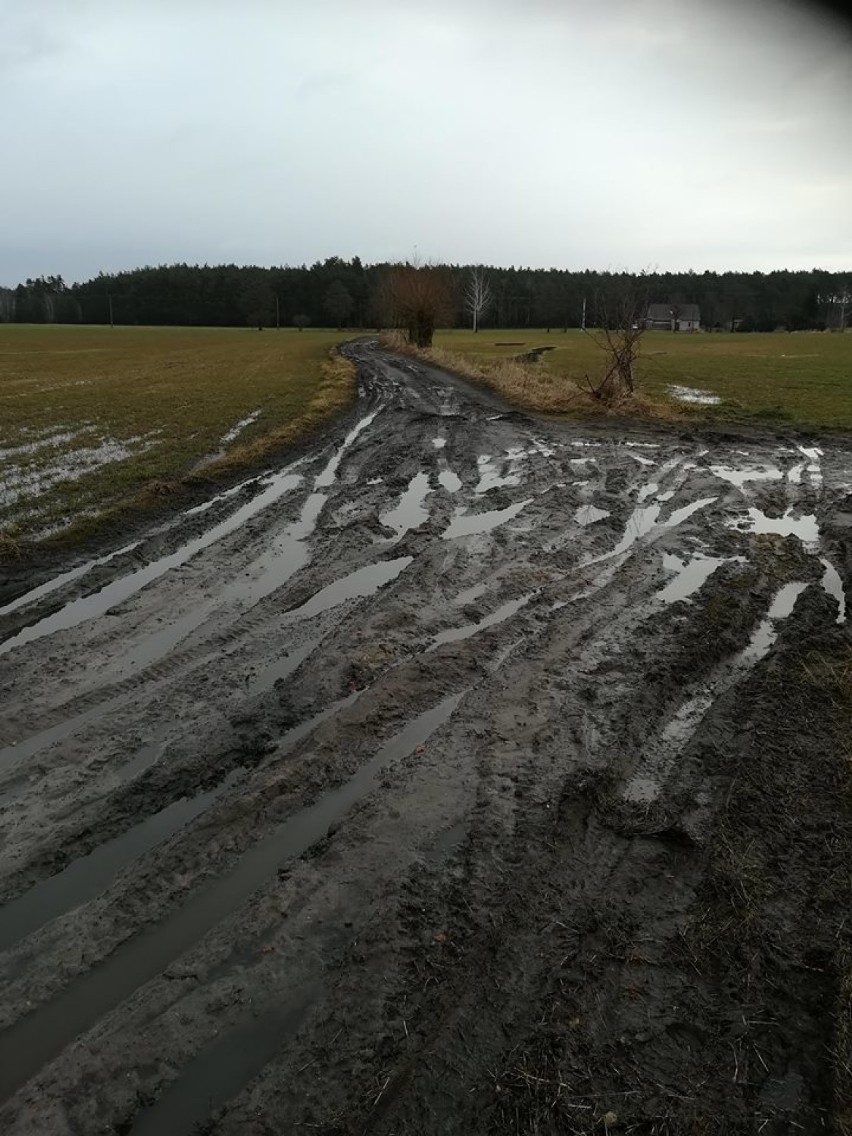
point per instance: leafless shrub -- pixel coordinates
(620, 324)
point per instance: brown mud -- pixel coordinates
(473, 773)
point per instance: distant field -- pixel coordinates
(800, 378)
(94, 416)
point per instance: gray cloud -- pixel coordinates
(636, 134)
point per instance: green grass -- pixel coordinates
(796, 378)
(167, 395)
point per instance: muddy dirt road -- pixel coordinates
(470, 774)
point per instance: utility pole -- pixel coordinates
(111, 320)
(277, 313)
(583, 319)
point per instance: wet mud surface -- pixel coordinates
(473, 773)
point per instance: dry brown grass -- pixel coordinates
(531, 386)
(10, 546)
(832, 675)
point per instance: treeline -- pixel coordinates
(347, 293)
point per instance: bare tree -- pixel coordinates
(838, 302)
(621, 324)
(417, 298)
(477, 295)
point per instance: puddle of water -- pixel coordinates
(26, 747)
(48, 441)
(504, 612)
(645, 785)
(680, 515)
(804, 527)
(639, 458)
(690, 576)
(739, 477)
(89, 607)
(26, 1046)
(238, 428)
(470, 594)
(281, 668)
(767, 632)
(87, 877)
(364, 582)
(223, 496)
(18, 484)
(692, 394)
(640, 522)
(410, 512)
(265, 575)
(794, 474)
(468, 524)
(450, 481)
(147, 756)
(589, 514)
(813, 454)
(221, 1070)
(66, 578)
(490, 477)
(328, 475)
(833, 585)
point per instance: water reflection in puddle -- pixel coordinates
(470, 594)
(29, 1044)
(89, 607)
(690, 575)
(491, 478)
(469, 524)
(645, 785)
(767, 632)
(410, 512)
(804, 527)
(693, 395)
(504, 612)
(89, 875)
(449, 480)
(739, 477)
(833, 585)
(589, 515)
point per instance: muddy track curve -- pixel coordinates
(392, 790)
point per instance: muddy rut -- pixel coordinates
(472, 773)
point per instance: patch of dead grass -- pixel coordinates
(531, 386)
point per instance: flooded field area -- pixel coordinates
(472, 771)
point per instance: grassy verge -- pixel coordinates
(797, 378)
(96, 420)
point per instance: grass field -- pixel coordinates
(801, 378)
(93, 418)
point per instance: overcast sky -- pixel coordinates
(658, 134)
